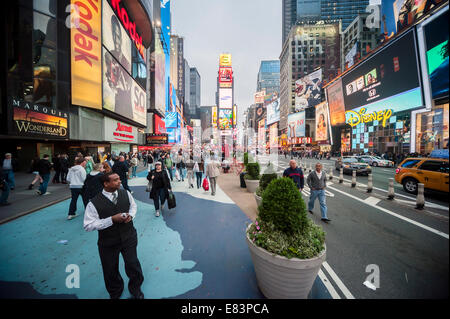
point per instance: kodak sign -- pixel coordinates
(85, 41)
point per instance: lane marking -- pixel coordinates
(338, 281)
(372, 200)
(395, 215)
(328, 285)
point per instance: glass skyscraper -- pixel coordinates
(345, 10)
(269, 76)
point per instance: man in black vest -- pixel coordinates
(111, 213)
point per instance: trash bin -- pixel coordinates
(243, 185)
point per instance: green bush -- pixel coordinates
(266, 179)
(253, 171)
(282, 226)
(245, 159)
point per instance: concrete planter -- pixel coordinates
(252, 185)
(258, 200)
(282, 278)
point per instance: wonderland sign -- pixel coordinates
(34, 120)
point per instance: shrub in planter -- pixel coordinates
(265, 181)
(253, 171)
(282, 226)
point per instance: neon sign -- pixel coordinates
(355, 118)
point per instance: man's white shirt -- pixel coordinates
(92, 220)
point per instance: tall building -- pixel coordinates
(195, 91)
(309, 46)
(186, 91)
(316, 10)
(361, 36)
(269, 77)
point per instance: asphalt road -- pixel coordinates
(408, 246)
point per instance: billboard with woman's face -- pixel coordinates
(321, 122)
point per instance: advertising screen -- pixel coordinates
(225, 59)
(307, 90)
(335, 99)
(388, 73)
(273, 112)
(225, 77)
(225, 98)
(273, 135)
(321, 122)
(171, 119)
(296, 126)
(397, 15)
(156, 139)
(86, 52)
(121, 94)
(214, 116)
(234, 115)
(173, 135)
(259, 97)
(261, 132)
(115, 38)
(260, 112)
(160, 125)
(436, 39)
(160, 61)
(225, 119)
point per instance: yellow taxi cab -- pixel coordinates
(432, 172)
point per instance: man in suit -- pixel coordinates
(111, 213)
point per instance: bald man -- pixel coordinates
(296, 174)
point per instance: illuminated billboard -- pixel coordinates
(160, 72)
(115, 38)
(390, 73)
(296, 127)
(225, 98)
(321, 122)
(86, 56)
(234, 115)
(335, 99)
(259, 97)
(121, 94)
(225, 119)
(225, 60)
(171, 119)
(225, 77)
(308, 91)
(273, 112)
(214, 116)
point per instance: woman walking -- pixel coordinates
(160, 186)
(181, 166)
(198, 170)
(190, 172)
(134, 165)
(89, 164)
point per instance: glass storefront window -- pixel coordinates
(45, 6)
(432, 129)
(44, 61)
(44, 92)
(44, 30)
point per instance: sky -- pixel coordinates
(248, 29)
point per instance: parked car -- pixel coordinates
(376, 161)
(352, 163)
(432, 172)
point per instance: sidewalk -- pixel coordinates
(24, 201)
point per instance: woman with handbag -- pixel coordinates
(160, 186)
(198, 170)
(190, 172)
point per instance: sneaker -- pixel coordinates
(38, 192)
(311, 212)
(157, 213)
(69, 217)
(325, 220)
(30, 187)
(131, 192)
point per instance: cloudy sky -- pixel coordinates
(248, 29)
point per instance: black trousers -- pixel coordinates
(109, 257)
(56, 176)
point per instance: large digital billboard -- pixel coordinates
(335, 99)
(171, 119)
(397, 15)
(308, 90)
(86, 55)
(225, 98)
(214, 116)
(273, 112)
(225, 59)
(225, 119)
(391, 72)
(259, 97)
(160, 88)
(436, 41)
(296, 126)
(115, 38)
(321, 122)
(225, 76)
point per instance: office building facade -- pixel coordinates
(269, 77)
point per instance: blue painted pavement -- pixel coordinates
(196, 250)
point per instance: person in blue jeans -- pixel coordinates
(76, 178)
(44, 169)
(317, 182)
(9, 164)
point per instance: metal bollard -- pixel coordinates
(420, 199)
(331, 173)
(341, 176)
(353, 178)
(391, 193)
(369, 184)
